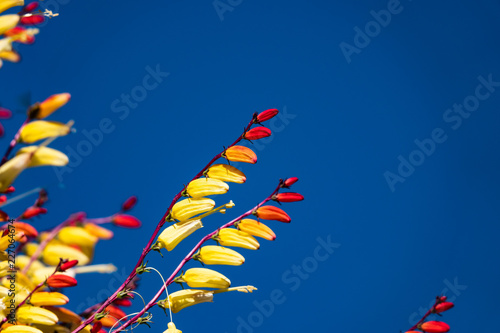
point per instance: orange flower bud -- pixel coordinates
(67, 265)
(61, 281)
(28, 229)
(434, 327)
(129, 203)
(240, 154)
(442, 307)
(32, 212)
(257, 133)
(290, 181)
(49, 106)
(126, 221)
(266, 115)
(31, 19)
(272, 213)
(288, 197)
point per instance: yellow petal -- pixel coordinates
(45, 298)
(11, 56)
(204, 278)
(8, 22)
(45, 156)
(256, 228)
(41, 129)
(183, 298)
(12, 168)
(226, 172)
(21, 329)
(202, 187)
(53, 252)
(173, 235)
(237, 238)
(187, 208)
(218, 255)
(98, 231)
(77, 236)
(28, 314)
(6, 4)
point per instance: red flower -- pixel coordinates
(67, 265)
(442, 307)
(272, 213)
(97, 327)
(129, 203)
(31, 19)
(122, 302)
(290, 181)
(257, 133)
(288, 197)
(434, 327)
(126, 221)
(266, 115)
(61, 281)
(33, 211)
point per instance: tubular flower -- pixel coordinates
(8, 22)
(172, 328)
(256, 228)
(28, 229)
(187, 208)
(5, 240)
(33, 211)
(272, 213)
(129, 203)
(97, 327)
(126, 221)
(44, 298)
(434, 327)
(202, 187)
(22, 35)
(42, 156)
(54, 251)
(226, 172)
(98, 231)
(266, 115)
(204, 278)
(32, 19)
(240, 154)
(61, 281)
(65, 315)
(236, 238)
(218, 255)
(290, 181)
(12, 168)
(6, 4)
(68, 264)
(41, 129)
(76, 235)
(21, 329)
(11, 56)
(173, 235)
(27, 314)
(49, 106)
(257, 133)
(442, 307)
(288, 197)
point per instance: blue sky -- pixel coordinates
(391, 126)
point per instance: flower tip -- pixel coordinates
(129, 203)
(290, 181)
(126, 221)
(266, 115)
(434, 327)
(31, 19)
(67, 265)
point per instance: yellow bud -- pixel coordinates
(41, 129)
(237, 238)
(227, 173)
(53, 252)
(6, 4)
(11, 56)
(202, 187)
(8, 22)
(77, 236)
(28, 314)
(187, 208)
(256, 228)
(174, 234)
(98, 231)
(45, 298)
(44, 156)
(183, 298)
(21, 329)
(12, 168)
(6, 240)
(204, 278)
(218, 255)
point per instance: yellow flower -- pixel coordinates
(45, 298)
(44, 156)
(174, 234)
(204, 278)
(187, 208)
(41, 129)
(256, 228)
(237, 238)
(225, 172)
(28, 314)
(11, 56)
(240, 154)
(12, 168)
(98, 231)
(172, 329)
(50, 105)
(77, 236)
(8, 22)
(218, 255)
(54, 251)
(6, 4)
(21, 329)
(201, 187)
(6, 240)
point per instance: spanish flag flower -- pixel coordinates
(442, 307)
(225, 172)
(434, 327)
(172, 328)
(240, 154)
(43, 156)
(126, 221)
(288, 197)
(266, 115)
(204, 278)
(236, 238)
(272, 213)
(6, 4)
(11, 169)
(256, 228)
(21, 329)
(41, 129)
(98, 231)
(218, 255)
(28, 314)
(188, 208)
(76, 236)
(202, 187)
(290, 181)
(174, 234)
(61, 281)
(54, 251)
(49, 106)
(257, 133)
(44, 298)
(8, 22)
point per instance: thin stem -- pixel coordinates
(13, 143)
(160, 224)
(189, 257)
(427, 314)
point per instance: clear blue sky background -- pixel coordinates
(347, 125)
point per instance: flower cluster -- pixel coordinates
(441, 305)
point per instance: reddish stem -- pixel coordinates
(427, 314)
(13, 143)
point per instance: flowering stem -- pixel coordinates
(148, 246)
(427, 314)
(13, 143)
(189, 257)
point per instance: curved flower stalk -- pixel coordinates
(440, 305)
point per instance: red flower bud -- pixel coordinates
(434, 327)
(126, 221)
(129, 203)
(3, 216)
(288, 197)
(97, 327)
(115, 312)
(442, 307)
(42, 198)
(30, 7)
(272, 213)
(67, 265)
(443, 298)
(266, 115)
(257, 133)
(3, 198)
(9, 189)
(32, 212)
(290, 181)
(122, 302)
(4, 113)
(61, 281)
(32, 19)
